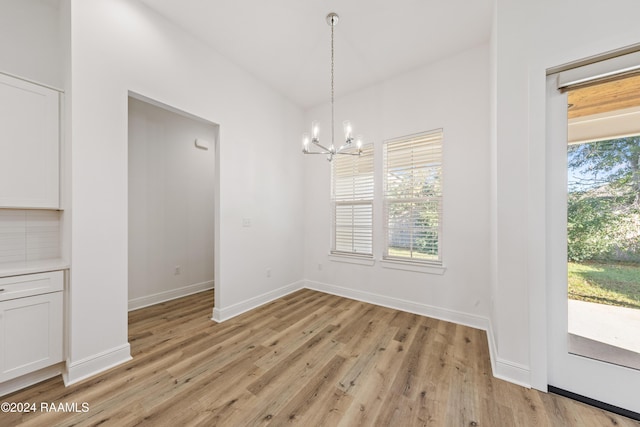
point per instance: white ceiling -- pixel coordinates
(286, 43)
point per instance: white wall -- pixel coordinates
(30, 43)
(120, 46)
(452, 94)
(531, 37)
(171, 204)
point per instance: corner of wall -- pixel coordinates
(221, 314)
(504, 369)
(93, 365)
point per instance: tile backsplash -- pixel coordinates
(29, 235)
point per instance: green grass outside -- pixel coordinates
(605, 283)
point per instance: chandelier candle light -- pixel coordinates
(332, 20)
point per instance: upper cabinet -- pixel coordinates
(29, 145)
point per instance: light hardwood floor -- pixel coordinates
(307, 359)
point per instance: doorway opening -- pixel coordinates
(603, 220)
(172, 185)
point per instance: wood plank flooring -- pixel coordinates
(307, 359)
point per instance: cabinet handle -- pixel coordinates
(1, 290)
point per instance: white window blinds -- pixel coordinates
(413, 197)
(352, 203)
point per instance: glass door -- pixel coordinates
(593, 240)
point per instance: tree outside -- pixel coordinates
(414, 213)
(604, 221)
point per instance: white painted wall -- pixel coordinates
(531, 37)
(452, 94)
(171, 204)
(120, 46)
(30, 44)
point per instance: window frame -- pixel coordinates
(431, 140)
(358, 200)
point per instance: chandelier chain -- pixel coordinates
(332, 89)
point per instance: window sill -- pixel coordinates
(368, 261)
(413, 266)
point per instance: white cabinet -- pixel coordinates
(29, 145)
(31, 322)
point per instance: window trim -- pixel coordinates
(418, 267)
(347, 258)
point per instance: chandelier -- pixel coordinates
(346, 148)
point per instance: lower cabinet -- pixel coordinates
(31, 326)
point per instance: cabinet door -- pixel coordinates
(30, 334)
(29, 145)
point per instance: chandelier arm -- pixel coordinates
(317, 144)
(345, 145)
(317, 152)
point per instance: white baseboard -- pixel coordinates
(148, 300)
(30, 379)
(458, 317)
(220, 315)
(502, 369)
(90, 366)
(512, 372)
(505, 369)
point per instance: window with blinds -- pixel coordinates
(352, 203)
(412, 192)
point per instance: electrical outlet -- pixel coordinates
(268, 272)
(319, 266)
(177, 270)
